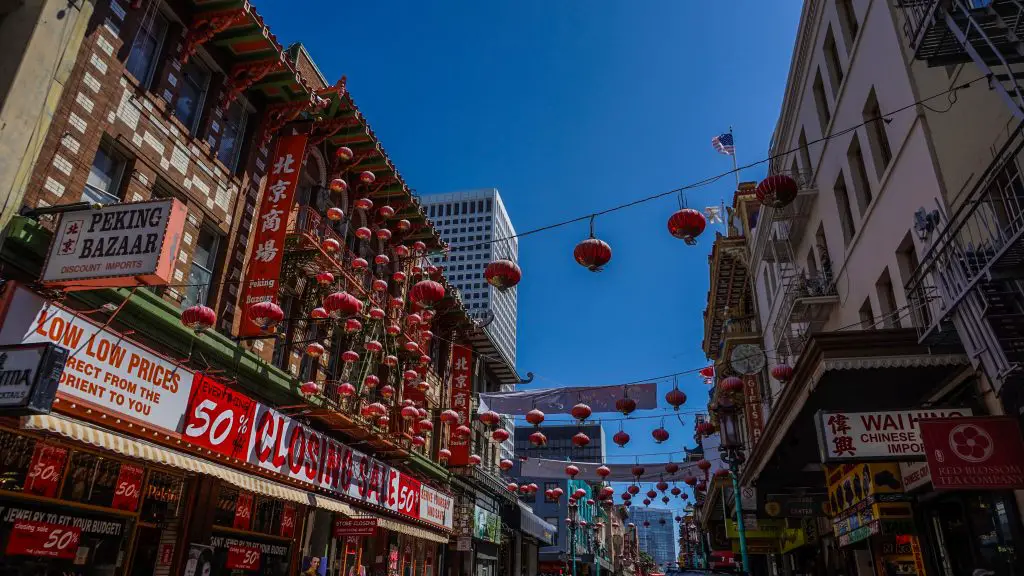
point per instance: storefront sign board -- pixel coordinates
(436, 507)
(103, 368)
(263, 273)
(852, 484)
(354, 527)
(29, 377)
(44, 470)
(44, 540)
(288, 521)
(486, 525)
(243, 511)
(983, 453)
(753, 408)
(242, 557)
(119, 245)
(860, 436)
(792, 506)
(461, 396)
(403, 494)
(765, 529)
(128, 489)
(219, 418)
(915, 475)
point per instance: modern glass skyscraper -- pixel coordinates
(474, 223)
(658, 538)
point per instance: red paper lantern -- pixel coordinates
(621, 438)
(413, 320)
(506, 465)
(607, 491)
(426, 293)
(581, 411)
(686, 224)
(410, 412)
(662, 485)
(352, 326)
(652, 494)
(462, 431)
(579, 493)
(387, 391)
(665, 500)
(659, 435)
(386, 211)
(638, 471)
(512, 487)
(633, 489)
(675, 398)
(383, 421)
(330, 245)
(424, 426)
(581, 439)
(557, 492)
(676, 491)
(393, 329)
(198, 317)
(777, 191)
(500, 435)
(450, 417)
(783, 373)
(338, 185)
(390, 360)
(646, 523)
(535, 417)
(314, 350)
(383, 234)
(474, 460)
(444, 454)
(592, 254)
(424, 360)
(371, 381)
(343, 304)
(490, 418)
(731, 384)
(399, 277)
(690, 480)
(626, 496)
(309, 388)
(364, 204)
(377, 313)
(266, 314)
(503, 274)
(325, 278)
(704, 465)
(402, 251)
(367, 177)
(373, 346)
(381, 260)
(411, 346)
(671, 467)
(318, 313)
(403, 225)
(346, 389)
(419, 246)
(572, 471)
(364, 233)
(349, 357)
(538, 439)
(684, 496)
(344, 154)
(603, 471)
(334, 213)
(625, 405)
(410, 375)
(419, 441)
(359, 264)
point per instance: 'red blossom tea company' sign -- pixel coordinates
(983, 453)
(117, 245)
(858, 436)
(264, 270)
(462, 390)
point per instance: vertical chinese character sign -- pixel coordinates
(755, 420)
(264, 271)
(462, 389)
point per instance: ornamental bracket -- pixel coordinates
(244, 75)
(206, 26)
(277, 115)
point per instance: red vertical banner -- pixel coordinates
(45, 469)
(462, 393)
(129, 487)
(753, 408)
(243, 512)
(288, 521)
(263, 274)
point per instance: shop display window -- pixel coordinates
(16, 464)
(91, 479)
(247, 511)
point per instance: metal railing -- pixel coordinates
(795, 320)
(918, 15)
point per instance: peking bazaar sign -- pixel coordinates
(118, 245)
(875, 436)
(983, 453)
(264, 270)
(461, 395)
(230, 424)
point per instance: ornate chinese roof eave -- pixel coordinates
(729, 282)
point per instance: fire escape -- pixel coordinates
(970, 277)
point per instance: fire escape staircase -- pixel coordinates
(986, 32)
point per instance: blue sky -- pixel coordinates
(570, 107)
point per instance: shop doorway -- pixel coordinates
(972, 531)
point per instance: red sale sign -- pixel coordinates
(243, 557)
(243, 512)
(218, 418)
(403, 494)
(288, 521)
(129, 488)
(42, 539)
(45, 469)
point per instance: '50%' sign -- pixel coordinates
(42, 539)
(219, 419)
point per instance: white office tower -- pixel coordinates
(471, 222)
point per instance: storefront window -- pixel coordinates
(91, 479)
(976, 531)
(246, 511)
(29, 465)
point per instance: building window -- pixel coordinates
(887, 300)
(204, 259)
(843, 204)
(232, 133)
(192, 93)
(805, 152)
(103, 185)
(554, 537)
(489, 208)
(867, 318)
(878, 137)
(146, 48)
(821, 103)
(859, 173)
(847, 22)
(832, 64)
(906, 258)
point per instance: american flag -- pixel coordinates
(723, 144)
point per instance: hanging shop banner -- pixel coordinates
(561, 400)
(486, 525)
(29, 377)
(243, 511)
(42, 539)
(103, 368)
(40, 530)
(403, 494)
(219, 418)
(244, 554)
(753, 408)
(984, 453)
(851, 436)
(263, 273)
(128, 488)
(242, 557)
(436, 507)
(120, 245)
(853, 484)
(354, 527)
(288, 521)
(461, 396)
(44, 470)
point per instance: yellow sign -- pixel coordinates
(792, 539)
(850, 484)
(767, 529)
(758, 547)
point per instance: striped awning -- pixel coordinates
(143, 450)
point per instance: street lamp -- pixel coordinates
(598, 545)
(572, 522)
(731, 450)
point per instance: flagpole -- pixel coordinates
(735, 168)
